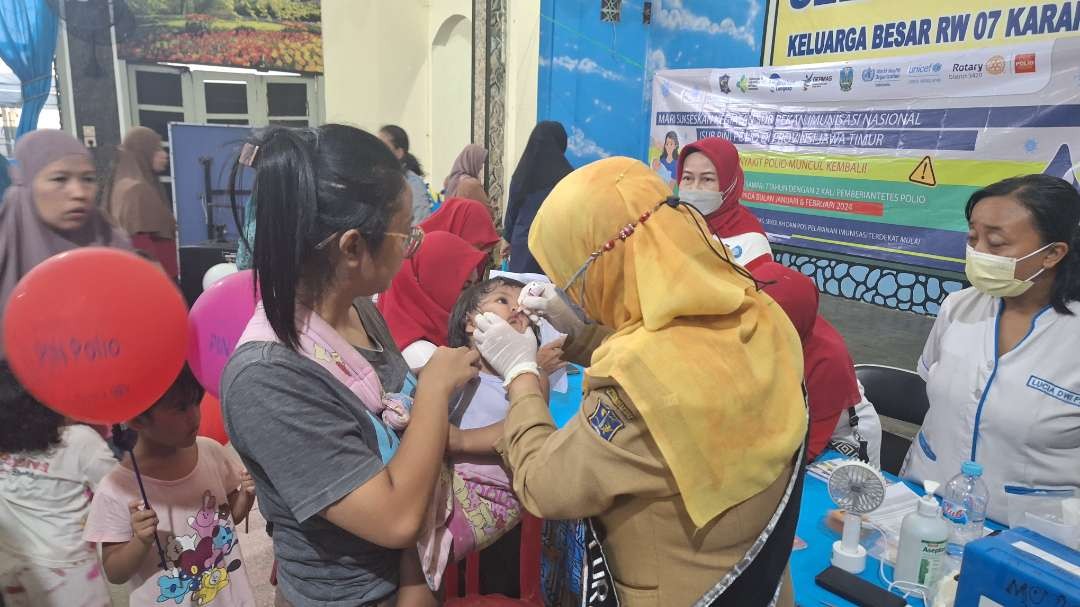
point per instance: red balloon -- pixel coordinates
(212, 425)
(96, 334)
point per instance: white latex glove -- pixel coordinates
(541, 299)
(508, 352)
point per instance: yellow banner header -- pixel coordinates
(816, 31)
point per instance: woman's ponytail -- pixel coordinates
(412, 164)
(400, 140)
(286, 191)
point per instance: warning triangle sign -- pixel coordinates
(924, 173)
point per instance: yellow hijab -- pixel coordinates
(713, 365)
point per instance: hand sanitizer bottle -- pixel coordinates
(924, 535)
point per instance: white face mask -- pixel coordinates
(995, 275)
(705, 201)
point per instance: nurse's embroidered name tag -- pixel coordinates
(1054, 391)
(606, 422)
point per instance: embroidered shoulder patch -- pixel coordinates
(605, 421)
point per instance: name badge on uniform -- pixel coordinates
(605, 421)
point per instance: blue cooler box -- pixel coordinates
(1019, 568)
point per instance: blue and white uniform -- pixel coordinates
(1018, 414)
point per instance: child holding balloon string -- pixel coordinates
(199, 491)
(47, 466)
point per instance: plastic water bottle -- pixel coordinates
(964, 503)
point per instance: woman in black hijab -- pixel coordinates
(543, 164)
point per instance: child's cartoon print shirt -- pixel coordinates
(204, 563)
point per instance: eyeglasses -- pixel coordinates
(409, 245)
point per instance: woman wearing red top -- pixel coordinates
(711, 178)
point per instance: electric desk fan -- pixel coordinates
(857, 488)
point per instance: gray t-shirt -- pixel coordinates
(385, 357)
(308, 441)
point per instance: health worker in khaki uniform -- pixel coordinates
(693, 418)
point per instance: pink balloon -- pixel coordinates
(215, 324)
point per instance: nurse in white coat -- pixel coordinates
(1002, 363)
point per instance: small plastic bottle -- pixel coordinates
(964, 503)
(923, 537)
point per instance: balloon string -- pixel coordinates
(146, 503)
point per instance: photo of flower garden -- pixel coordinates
(259, 34)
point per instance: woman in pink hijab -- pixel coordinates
(49, 207)
(464, 178)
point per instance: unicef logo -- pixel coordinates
(924, 69)
(737, 251)
(868, 74)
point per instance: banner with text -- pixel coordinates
(812, 31)
(878, 158)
